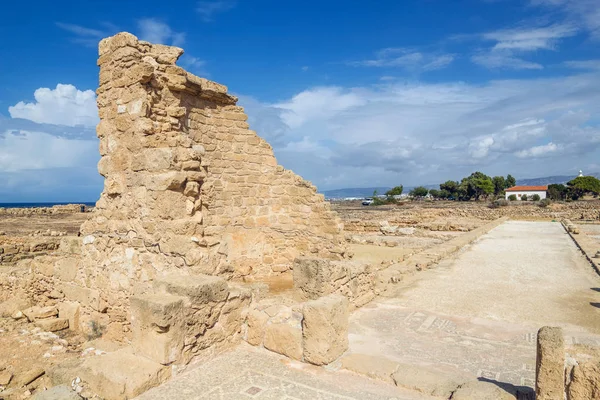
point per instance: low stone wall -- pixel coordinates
(589, 246)
(314, 278)
(315, 331)
(58, 209)
(430, 256)
(13, 250)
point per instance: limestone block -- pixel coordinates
(428, 381)
(584, 382)
(550, 376)
(325, 329)
(312, 276)
(34, 313)
(284, 338)
(157, 323)
(52, 324)
(70, 311)
(200, 289)
(66, 269)
(121, 375)
(86, 297)
(256, 322)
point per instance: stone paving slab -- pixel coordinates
(479, 312)
(251, 373)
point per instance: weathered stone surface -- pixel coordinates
(584, 382)
(52, 324)
(28, 376)
(85, 296)
(66, 269)
(122, 375)
(202, 288)
(480, 390)
(427, 381)
(550, 376)
(371, 366)
(284, 338)
(157, 323)
(34, 313)
(12, 305)
(70, 311)
(325, 329)
(256, 323)
(61, 392)
(5, 377)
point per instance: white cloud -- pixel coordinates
(419, 133)
(317, 103)
(155, 31)
(64, 105)
(530, 39)
(583, 13)
(493, 60)
(406, 58)
(584, 64)
(544, 150)
(30, 150)
(207, 9)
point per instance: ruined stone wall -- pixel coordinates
(189, 188)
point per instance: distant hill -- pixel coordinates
(353, 192)
(548, 180)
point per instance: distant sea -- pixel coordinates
(32, 205)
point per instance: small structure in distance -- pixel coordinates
(527, 191)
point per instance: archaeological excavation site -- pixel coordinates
(206, 270)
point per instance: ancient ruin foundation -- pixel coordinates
(189, 188)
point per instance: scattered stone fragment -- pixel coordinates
(34, 313)
(53, 324)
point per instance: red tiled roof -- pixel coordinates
(527, 189)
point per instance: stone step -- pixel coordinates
(121, 375)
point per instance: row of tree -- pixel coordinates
(479, 186)
(575, 189)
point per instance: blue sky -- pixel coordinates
(350, 93)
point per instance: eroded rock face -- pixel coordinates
(550, 375)
(188, 186)
(325, 329)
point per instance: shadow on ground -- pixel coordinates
(520, 392)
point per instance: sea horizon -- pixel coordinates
(45, 204)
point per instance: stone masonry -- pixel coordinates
(189, 189)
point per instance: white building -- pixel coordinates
(519, 191)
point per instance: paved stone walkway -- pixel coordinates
(479, 313)
(251, 373)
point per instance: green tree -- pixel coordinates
(444, 194)
(510, 181)
(583, 185)
(395, 191)
(419, 191)
(475, 186)
(512, 197)
(535, 197)
(557, 191)
(436, 194)
(451, 187)
(499, 184)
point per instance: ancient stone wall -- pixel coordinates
(189, 188)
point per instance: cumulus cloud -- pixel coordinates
(156, 31)
(415, 132)
(64, 105)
